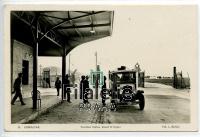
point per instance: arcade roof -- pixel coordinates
(60, 28)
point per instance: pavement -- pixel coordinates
(164, 104)
(24, 113)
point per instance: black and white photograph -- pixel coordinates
(101, 68)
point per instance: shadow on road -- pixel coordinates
(125, 109)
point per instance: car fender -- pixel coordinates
(140, 92)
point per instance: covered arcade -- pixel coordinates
(54, 33)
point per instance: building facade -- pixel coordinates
(22, 62)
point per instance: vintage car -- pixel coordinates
(123, 88)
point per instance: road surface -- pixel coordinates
(163, 104)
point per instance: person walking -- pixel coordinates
(81, 86)
(17, 90)
(58, 85)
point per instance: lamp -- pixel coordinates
(92, 31)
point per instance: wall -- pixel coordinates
(22, 52)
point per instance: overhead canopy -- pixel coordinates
(60, 28)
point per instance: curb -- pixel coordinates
(38, 113)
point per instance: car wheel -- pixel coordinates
(141, 101)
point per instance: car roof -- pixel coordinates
(121, 71)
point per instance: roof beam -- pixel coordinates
(63, 18)
(78, 17)
(52, 17)
(92, 22)
(85, 12)
(85, 26)
(71, 22)
(33, 27)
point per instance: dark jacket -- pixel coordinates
(81, 85)
(17, 84)
(58, 84)
(85, 84)
(104, 85)
(67, 85)
(103, 90)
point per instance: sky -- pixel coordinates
(157, 37)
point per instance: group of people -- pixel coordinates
(84, 88)
(66, 84)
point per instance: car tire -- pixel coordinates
(141, 101)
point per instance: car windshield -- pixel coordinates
(125, 77)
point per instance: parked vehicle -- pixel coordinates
(123, 88)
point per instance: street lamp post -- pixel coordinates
(137, 68)
(96, 82)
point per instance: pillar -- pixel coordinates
(35, 55)
(174, 76)
(63, 69)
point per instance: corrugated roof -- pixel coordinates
(60, 28)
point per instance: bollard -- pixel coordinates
(76, 92)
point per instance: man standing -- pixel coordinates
(103, 92)
(17, 90)
(67, 88)
(58, 85)
(81, 86)
(85, 90)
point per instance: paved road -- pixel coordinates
(163, 105)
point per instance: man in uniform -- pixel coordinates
(81, 86)
(58, 85)
(67, 88)
(85, 89)
(17, 90)
(103, 92)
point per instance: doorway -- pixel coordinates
(46, 78)
(25, 71)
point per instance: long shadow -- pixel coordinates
(131, 108)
